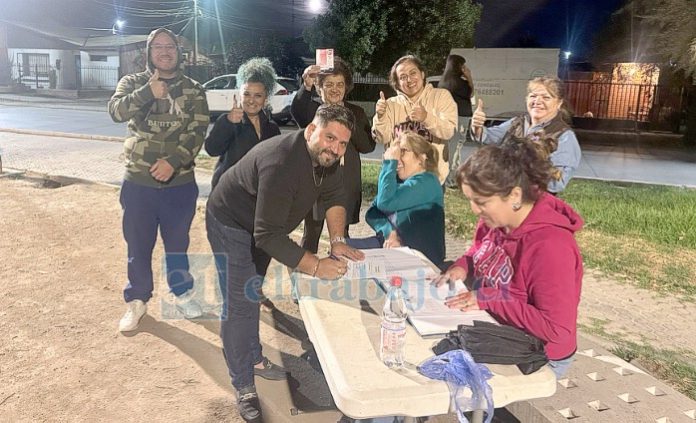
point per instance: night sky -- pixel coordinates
(564, 24)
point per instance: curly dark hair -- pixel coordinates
(519, 162)
(257, 69)
(340, 68)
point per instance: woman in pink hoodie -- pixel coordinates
(524, 265)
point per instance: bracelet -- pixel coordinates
(337, 239)
(316, 267)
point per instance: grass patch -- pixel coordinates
(639, 233)
(676, 368)
(658, 214)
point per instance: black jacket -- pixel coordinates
(271, 189)
(231, 141)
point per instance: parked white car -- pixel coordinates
(220, 90)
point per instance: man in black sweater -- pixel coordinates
(254, 207)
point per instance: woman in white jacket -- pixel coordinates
(417, 107)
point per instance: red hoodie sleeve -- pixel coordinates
(480, 233)
(548, 271)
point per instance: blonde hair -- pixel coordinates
(555, 87)
(419, 145)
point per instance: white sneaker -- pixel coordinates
(136, 310)
(188, 306)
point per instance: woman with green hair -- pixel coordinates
(247, 123)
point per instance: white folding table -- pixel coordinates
(343, 322)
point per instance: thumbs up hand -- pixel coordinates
(381, 106)
(159, 88)
(418, 114)
(236, 113)
(478, 119)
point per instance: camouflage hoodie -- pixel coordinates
(172, 129)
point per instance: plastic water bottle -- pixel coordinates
(394, 314)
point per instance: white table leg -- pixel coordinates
(477, 416)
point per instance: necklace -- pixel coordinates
(314, 176)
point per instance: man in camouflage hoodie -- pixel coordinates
(167, 116)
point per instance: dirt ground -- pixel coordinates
(62, 261)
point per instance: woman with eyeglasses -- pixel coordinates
(547, 116)
(408, 209)
(417, 107)
(332, 87)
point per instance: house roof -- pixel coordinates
(82, 38)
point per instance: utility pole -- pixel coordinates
(195, 32)
(632, 59)
(222, 39)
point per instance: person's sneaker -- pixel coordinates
(271, 371)
(248, 404)
(136, 310)
(188, 306)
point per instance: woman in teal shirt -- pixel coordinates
(408, 209)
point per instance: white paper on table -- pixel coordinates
(382, 263)
(427, 310)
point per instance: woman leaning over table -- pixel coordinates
(247, 124)
(408, 213)
(547, 116)
(524, 262)
(417, 107)
(332, 87)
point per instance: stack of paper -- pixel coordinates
(428, 313)
(382, 263)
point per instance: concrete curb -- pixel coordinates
(62, 134)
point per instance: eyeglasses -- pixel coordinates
(163, 47)
(414, 74)
(330, 85)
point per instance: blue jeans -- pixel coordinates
(145, 210)
(560, 367)
(244, 268)
(454, 145)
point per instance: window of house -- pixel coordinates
(97, 58)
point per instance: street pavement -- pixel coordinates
(87, 118)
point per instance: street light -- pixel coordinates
(567, 54)
(118, 25)
(315, 6)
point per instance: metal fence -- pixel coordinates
(657, 105)
(97, 77)
(33, 76)
(44, 76)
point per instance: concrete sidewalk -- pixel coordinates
(629, 312)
